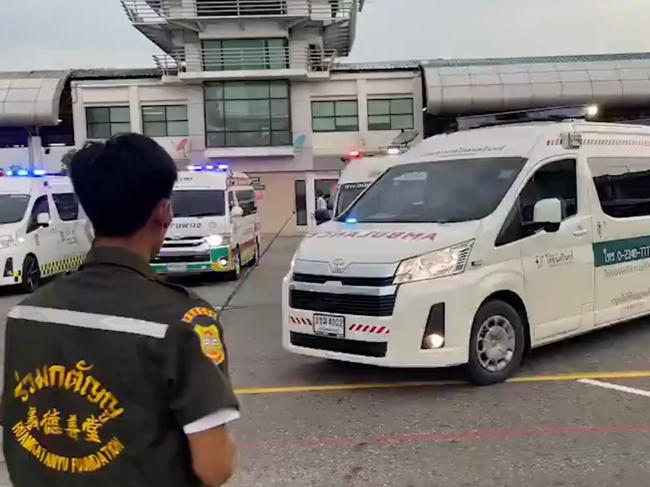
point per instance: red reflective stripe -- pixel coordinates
(381, 330)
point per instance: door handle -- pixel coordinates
(580, 232)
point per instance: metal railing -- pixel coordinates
(240, 59)
(156, 11)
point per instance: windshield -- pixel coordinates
(196, 203)
(12, 207)
(347, 194)
(437, 192)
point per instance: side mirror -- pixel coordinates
(43, 219)
(237, 212)
(322, 216)
(547, 214)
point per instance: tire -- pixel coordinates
(256, 257)
(496, 344)
(31, 274)
(236, 274)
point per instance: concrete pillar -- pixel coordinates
(35, 149)
(134, 109)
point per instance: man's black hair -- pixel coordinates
(120, 182)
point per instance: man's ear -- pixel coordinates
(162, 214)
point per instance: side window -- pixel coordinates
(231, 200)
(67, 205)
(554, 180)
(40, 206)
(623, 185)
(247, 201)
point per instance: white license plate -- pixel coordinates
(177, 267)
(329, 325)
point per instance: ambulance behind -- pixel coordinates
(357, 176)
(43, 229)
(484, 244)
(216, 226)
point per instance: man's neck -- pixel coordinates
(130, 244)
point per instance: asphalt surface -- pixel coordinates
(564, 421)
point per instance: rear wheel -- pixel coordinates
(496, 344)
(31, 274)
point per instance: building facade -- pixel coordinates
(254, 84)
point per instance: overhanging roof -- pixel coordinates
(31, 98)
(479, 85)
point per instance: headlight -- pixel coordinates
(218, 240)
(441, 263)
(7, 241)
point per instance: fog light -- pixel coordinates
(223, 262)
(434, 333)
(433, 341)
(9, 267)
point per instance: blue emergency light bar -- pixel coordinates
(24, 173)
(208, 167)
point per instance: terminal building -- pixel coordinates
(262, 85)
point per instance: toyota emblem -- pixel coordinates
(338, 266)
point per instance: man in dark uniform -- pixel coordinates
(114, 378)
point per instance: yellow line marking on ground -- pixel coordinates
(638, 374)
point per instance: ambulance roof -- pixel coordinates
(367, 169)
(210, 180)
(516, 140)
(20, 185)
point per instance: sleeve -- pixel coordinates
(200, 394)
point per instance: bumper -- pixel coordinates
(10, 268)
(219, 259)
(396, 340)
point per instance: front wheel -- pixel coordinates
(235, 274)
(496, 343)
(31, 274)
(256, 257)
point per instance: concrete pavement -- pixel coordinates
(308, 422)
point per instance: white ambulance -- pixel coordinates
(43, 230)
(486, 243)
(357, 176)
(216, 226)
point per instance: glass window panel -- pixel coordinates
(401, 122)
(97, 115)
(176, 129)
(280, 108)
(215, 139)
(211, 44)
(281, 138)
(401, 106)
(155, 129)
(280, 123)
(276, 42)
(153, 114)
(214, 92)
(324, 124)
(347, 124)
(378, 107)
(346, 108)
(379, 122)
(214, 120)
(246, 90)
(99, 130)
(279, 89)
(322, 109)
(177, 112)
(243, 43)
(248, 139)
(120, 114)
(120, 128)
(301, 202)
(247, 115)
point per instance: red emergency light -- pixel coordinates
(355, 154)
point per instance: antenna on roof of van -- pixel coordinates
(547, 114)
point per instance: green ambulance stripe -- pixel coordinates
(621, 251)
(215, 255)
